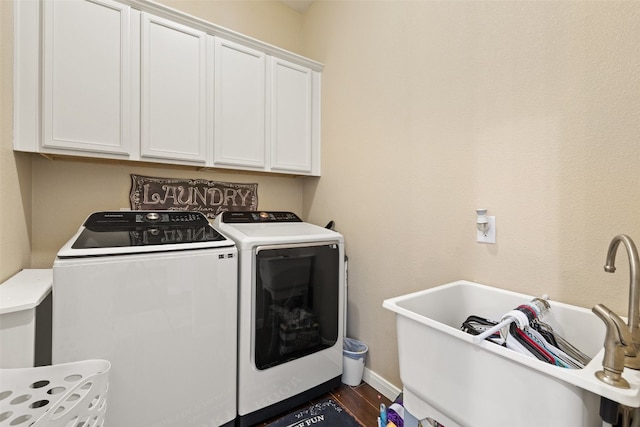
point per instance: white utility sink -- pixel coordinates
(449, 378)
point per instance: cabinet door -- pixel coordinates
(86, 76)
(292, 109)
(239, 124)
(174, 91)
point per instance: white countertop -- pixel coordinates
(25, 290)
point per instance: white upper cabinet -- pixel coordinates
(86, 76)
(136, 80)
(239, 93)
(174, 91)
(293, 137)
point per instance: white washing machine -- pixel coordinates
(155, 293)
(291, 299)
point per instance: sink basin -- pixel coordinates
(449, 378)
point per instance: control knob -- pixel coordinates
(152, 216)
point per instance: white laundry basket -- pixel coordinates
(70, 394)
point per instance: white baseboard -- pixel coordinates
(383, 386)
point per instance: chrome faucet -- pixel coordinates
(622, 342)
(631, 354)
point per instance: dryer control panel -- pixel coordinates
(247, 217)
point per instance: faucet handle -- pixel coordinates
(617, 340)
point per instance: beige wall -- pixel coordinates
(266, 20)
(15, 168)
(80, 187)
(430, 110)
(433, 109)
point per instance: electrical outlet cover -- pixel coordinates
(490, 235)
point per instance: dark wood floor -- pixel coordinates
(362, 401)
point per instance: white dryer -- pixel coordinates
(291, 299)
(155, 293)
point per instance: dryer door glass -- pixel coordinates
(297, 291)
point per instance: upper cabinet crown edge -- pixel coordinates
(217, 30)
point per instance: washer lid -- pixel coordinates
(120, 232)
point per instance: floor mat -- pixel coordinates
(323, 414)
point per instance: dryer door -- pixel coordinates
(297, 293)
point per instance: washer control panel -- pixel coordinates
(143, 218)
(245, 217)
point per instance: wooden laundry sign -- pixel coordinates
(208, 197)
